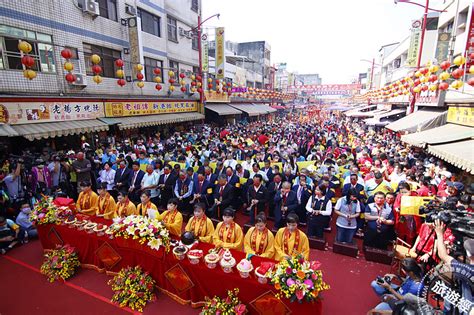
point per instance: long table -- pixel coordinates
(182, 281)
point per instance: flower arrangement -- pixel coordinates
(132, 288)
(60, 263)
(229, 306)
(149, 231)
(46, 212)
(297, 279)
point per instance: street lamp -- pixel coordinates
(422, 39)
(198, 28)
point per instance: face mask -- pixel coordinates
(26, 210)
(149, 171)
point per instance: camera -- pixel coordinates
(381, 280)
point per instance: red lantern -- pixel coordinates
(158, 87)
(140, 76)
(471, 81)
(66, 53)
(228, 84)
(28, 61)
(183, 89)
(445, 65)
(417, 82)
(443, 86)
(199, 90)
(157, 71)
(70, 78)
(433, 78)
(458, 73)
(96, 69)
(193, 83)
(182, 75)
(199, 78)
(171, 81)
(121, 82)
(424, 70)
(209, 86)
(218, 82)
(119, 63)
(229, 93)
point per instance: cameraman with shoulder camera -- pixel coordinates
(462, 271)
(390, 292)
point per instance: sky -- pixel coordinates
(328, 37)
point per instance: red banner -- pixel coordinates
(470, 40)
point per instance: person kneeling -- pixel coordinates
(9, 234)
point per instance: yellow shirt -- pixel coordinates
(173, 221)
(251, 247)
(124, 209)
(106, 206)
(235, 239)
(144, 211)
(281, 241)
(202, 229)
(87, 203)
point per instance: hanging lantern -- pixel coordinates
(25, 47)
(183, 89)
(182, 82)
(182, 75)
(457, 84)
(458, 73)
(157, 71)
(434, 69)
(171, 88)
(66, 53)
(193, 77)
(199, 90)
(138, 67)
(445, 65)
(121, 82)
(171, 81)
(170, 74)
(140, 76)
(459, 61)
(157, 79)
(199, 78)
(119, 63)
(119, 73)
(28, 61)
(443, 86)
(433, 87)
(193, 83)
(471, 81)
(70, 78)
(193, 90)
(209, 86)
(97, 79)
(433, 78)
(29, 74)
(95, 59)
(444, 76)
(68, 66)
(471, 70)
(158, 87)
(140, 84)
(199, 84)
(96, 69)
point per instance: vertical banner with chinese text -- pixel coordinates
(220, 53)
(412, 57)
(205, 53)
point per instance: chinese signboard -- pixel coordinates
(16, 113)
(470, 40)
(412, 57)
(461, 115)
(220, 53)
(205, 53)
(442, 47)
(137, 108)
(430, 98)
(327, 89)
(213, 97)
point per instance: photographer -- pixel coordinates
(462, 271)
(14, 185)
(390, 292)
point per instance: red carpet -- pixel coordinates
(26, 291)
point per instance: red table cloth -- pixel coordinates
(182, 281)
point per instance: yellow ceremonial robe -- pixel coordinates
(109, 211)
(303, 246)
(173, 225)
(235, 239)
(268, 246)
(206, 231)
(142, 210)
(87, 202)
(125, 209)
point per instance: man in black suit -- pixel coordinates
(166, 185)
(219, 169)
(241, 172)
(122, 176)
(202, 191)
(256, 197)
(210, 177)
(135, 182)
(303, 192)
(355, 185)
(267, 169)
(285, 202)
(273, 188)
(223, 197)
(234, 181)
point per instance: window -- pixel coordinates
(108, 9)
(172, 29)
(194, 41)
(107, 59)
(150, 23)
(174, 66)
(150, 65)
(432, 24)
(42, 49)
(195, 70)
(195, 5)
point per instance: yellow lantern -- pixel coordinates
(119, 73)
(423, 79)
(471, 69)
(444, 76)
(97, 79)
(170, 74)
(139, 67)
(433, 87)
(95, 59)
(459, 60)
(434, 69)
(417, 89)
(193, 90)
(140, 84)
(157, 79)
(171, 88)
(68, 66)
(25, 47)
(29, 74)
(182, 82)
(209, 80)
(418, 74)
(193, 77)
(457, 84)
(199, 84)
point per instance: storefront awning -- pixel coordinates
(223, 109)
(444, 134)
(460, 154)
(265, 107)
(151, 120)
(59, 129)
(419, 121)
(377, 119)
(253, 109)
(278, 107)
(358, 112)
(7, 131)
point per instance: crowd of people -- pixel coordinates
(292, 172)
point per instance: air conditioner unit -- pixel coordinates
(91, 7)
(184, 33)
(130, 10)
(80, 80)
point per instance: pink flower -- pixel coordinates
(315, 265)
(240, 309)
(290, 282)
(41, 215)
(133, 276)
(314, 276)
(299, 294)
(309, 283)
(289, 271)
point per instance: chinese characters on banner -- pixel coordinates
(412, 57)
(41, 112)
(205, 53)
(122, 109)
(470, 40)
(220, 53)
(451, 296)
(213, 97)
(461, 115)
(442, 47)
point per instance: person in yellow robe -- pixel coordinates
(200, 225)
(106, 203)
(290, 241)
(228, 234)
(259, 240)
(172, 218)
(124, 206)
(88, 200)
(147, 208)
